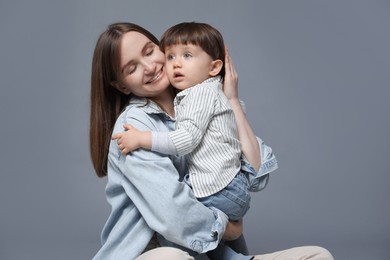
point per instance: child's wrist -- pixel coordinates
(146, 140)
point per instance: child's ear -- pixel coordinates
(215, 68)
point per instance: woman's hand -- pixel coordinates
(233, 230)
(230, 83)
(250, 147)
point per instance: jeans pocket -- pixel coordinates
(237, 198)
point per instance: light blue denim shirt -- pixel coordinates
(147, 196)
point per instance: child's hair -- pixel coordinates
(200, 34)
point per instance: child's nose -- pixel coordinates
(176, 63)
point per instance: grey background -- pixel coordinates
(315, 78)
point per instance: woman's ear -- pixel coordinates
(120, 87)
(216, 66)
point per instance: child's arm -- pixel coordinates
(132, 139)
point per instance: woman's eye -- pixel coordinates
(131, 70)
(149, 51)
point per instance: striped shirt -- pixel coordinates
(206, 131)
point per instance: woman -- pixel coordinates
(129, 86)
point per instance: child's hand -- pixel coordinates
(129, 140)
(230, 83)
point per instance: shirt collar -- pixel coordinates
(184, 92)
(148, 106)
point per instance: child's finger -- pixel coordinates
(127, 127)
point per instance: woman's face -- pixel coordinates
(142, 67)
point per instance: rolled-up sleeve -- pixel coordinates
(167, 205)
(259, 180)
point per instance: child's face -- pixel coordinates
(187, 65)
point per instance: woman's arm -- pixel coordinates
(250, 146)
(167, 205)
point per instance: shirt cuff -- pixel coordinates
(259, 180)
(162, 143)
(216, 233)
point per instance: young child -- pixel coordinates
(205, 123)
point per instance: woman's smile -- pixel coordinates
(156, 77)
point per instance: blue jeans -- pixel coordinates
(233, 200)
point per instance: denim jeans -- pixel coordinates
(233, 200)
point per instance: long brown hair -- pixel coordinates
(106, 101)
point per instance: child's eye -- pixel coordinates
(169, 57)
(187, 55)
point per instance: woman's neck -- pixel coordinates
(165, 101)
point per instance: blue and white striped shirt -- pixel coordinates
(206, 131)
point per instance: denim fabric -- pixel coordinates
(146, 196)
(259, 180)
(233, 200)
